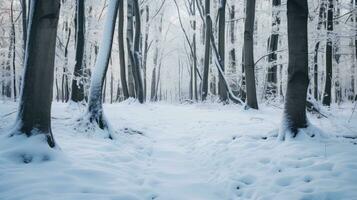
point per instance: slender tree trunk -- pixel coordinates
(77, 94)
(232, 52)
(208, 30)
(13, 36)
(273, 47)
(328, 80)
(24, 25)
(95, 105)
(223, 94)
(249, 55)
(136, 55)
(34, 116)
(130, 35)
(146, 49)
(122, 50)
(321, 22)
(298, 75)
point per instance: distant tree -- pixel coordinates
(208, 30)
(34, 115)
(223, 94)
(326, 100)
(77, 94)
(248, 55)
(124, 84)
(298, 75)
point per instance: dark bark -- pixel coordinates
(248, 61)
(222, 91)
(130, 36)
(77, 94)
(328, 79)
(24, 24)
(298, 76)
(122, 50)
(136, 53)
(273, 47)
(34, 116)
(13, 40)
(208, 30)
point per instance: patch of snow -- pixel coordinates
(182, 152)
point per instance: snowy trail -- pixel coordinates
(185, 152)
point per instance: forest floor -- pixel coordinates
(183, 152)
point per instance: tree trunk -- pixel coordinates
(95, 105)
(146, 50)
(273, 47)
(122, 50)
(328, 80)
(136, 54)
(77, 94)
(208, 30)
(223, 94)
(321, 22)
(24, 25)
(249, 55)
(298, 75)
(34, 116)
(130, 35)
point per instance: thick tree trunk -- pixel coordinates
(328, 80)
(122, 50)
(298, 75)
(77, 94)
(249, 55)
(223, 94)
(34, 116)
(208, 30)
(95, 105)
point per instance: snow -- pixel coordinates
(181, 152)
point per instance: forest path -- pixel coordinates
(185, 152)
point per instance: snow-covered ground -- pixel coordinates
(183, 152)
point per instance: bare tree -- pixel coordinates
(298, 76)
(95, 105)
(34, 116)
(223, 94)
(248, 54)
(122, 50)
(77, 94)
(326, 100)
(208, 30)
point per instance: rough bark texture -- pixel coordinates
(248, 61)
(34, 116)
(223, 94)
(122, 50)
(208, 30)
(77, 94)
(298, 76)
